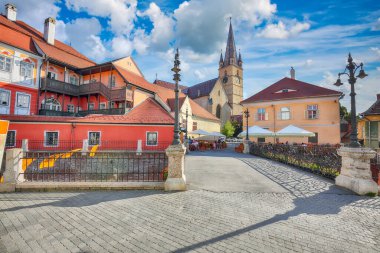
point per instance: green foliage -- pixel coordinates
(344, 113)
(238, 127)
(228, 129)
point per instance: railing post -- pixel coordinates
(85, 147)
(25, 145)
(139, 147)
(176, 180)
(13, 168)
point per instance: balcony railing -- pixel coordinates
(110, 111)
(83, 89)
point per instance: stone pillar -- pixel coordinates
(13, 167)
(246, 147)
(139, 147)
(356, 173)
(176, 180)
(25, 145)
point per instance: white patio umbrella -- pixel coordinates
(200, 132)
(256, 131)
(293, 131)
(216, 134)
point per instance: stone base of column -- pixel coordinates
(246, 147)
(176, 180)
(355, 173)
(7, 187)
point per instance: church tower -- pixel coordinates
(231, 73)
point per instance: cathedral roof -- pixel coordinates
(230, 48)
(168, 85)
(201, 89)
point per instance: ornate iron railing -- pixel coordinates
(322, 160)
(76, 166)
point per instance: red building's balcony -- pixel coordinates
(110, 111)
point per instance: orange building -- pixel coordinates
(369, 125)
(293, 102)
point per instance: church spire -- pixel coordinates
(221, 62)
(230, 56)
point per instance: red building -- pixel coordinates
(53, 95)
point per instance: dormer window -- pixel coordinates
(285, 90)
(199, 93)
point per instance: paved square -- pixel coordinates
(309, 215)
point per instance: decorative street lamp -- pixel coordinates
(176, 70)
(187, 115)
(350, 71)
(246, 114)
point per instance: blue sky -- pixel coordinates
(313, 36)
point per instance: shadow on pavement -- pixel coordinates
(84, 199)
(312, 205)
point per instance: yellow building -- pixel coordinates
(292, 102)
(369, 126)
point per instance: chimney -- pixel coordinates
(11, 11)
(378, 96)
(292, 73)
(49, 30)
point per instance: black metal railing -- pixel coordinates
(48, 112)
(94, 167)
(322, 160)
(112, 94)
(110, 111)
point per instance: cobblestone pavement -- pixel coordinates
(313, 216)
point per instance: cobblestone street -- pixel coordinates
(309, 215)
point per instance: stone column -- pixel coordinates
(246, 147)
(176, 180)
(85, 147)
(13, 167)
(25, 145)
(356, 173)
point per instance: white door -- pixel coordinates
(5, 97)
(22, 106)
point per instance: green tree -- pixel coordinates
(238, 127)
(344, 113)
(228, 129)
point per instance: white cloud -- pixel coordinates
(121, 13)
(282, 31)
(376, 50)
(34, 12)
(121, 46)
(202, 25)
(162, 32)
(376, 25)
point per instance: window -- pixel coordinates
(11, 139)
(70, 108)
(260, 140)
(91, 106)
(151, 138)
(51, 139)
(285, 113)
(52, 75)
(4, 97)
(26, 70)
(93, 138)
(195, 125)
(313, 139)
(102, 106)
(218, 109)
(5, 63)
(111, 81)
(261, 114)
(112, 105)
(312, 112)
(74, 80)
(51, 104)
(23, 100)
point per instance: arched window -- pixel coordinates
(51, 104)
(218, 109)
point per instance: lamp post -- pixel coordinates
(350, 71)
(187, 115)
(176, 70)
(246, 114)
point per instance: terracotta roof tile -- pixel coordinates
(170, 102)
(288, 88)
(16, 39)
(135, 79)
(168, 85)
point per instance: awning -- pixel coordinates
(256, 131)
(200, 132)
(293, 131)
(216, 134)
